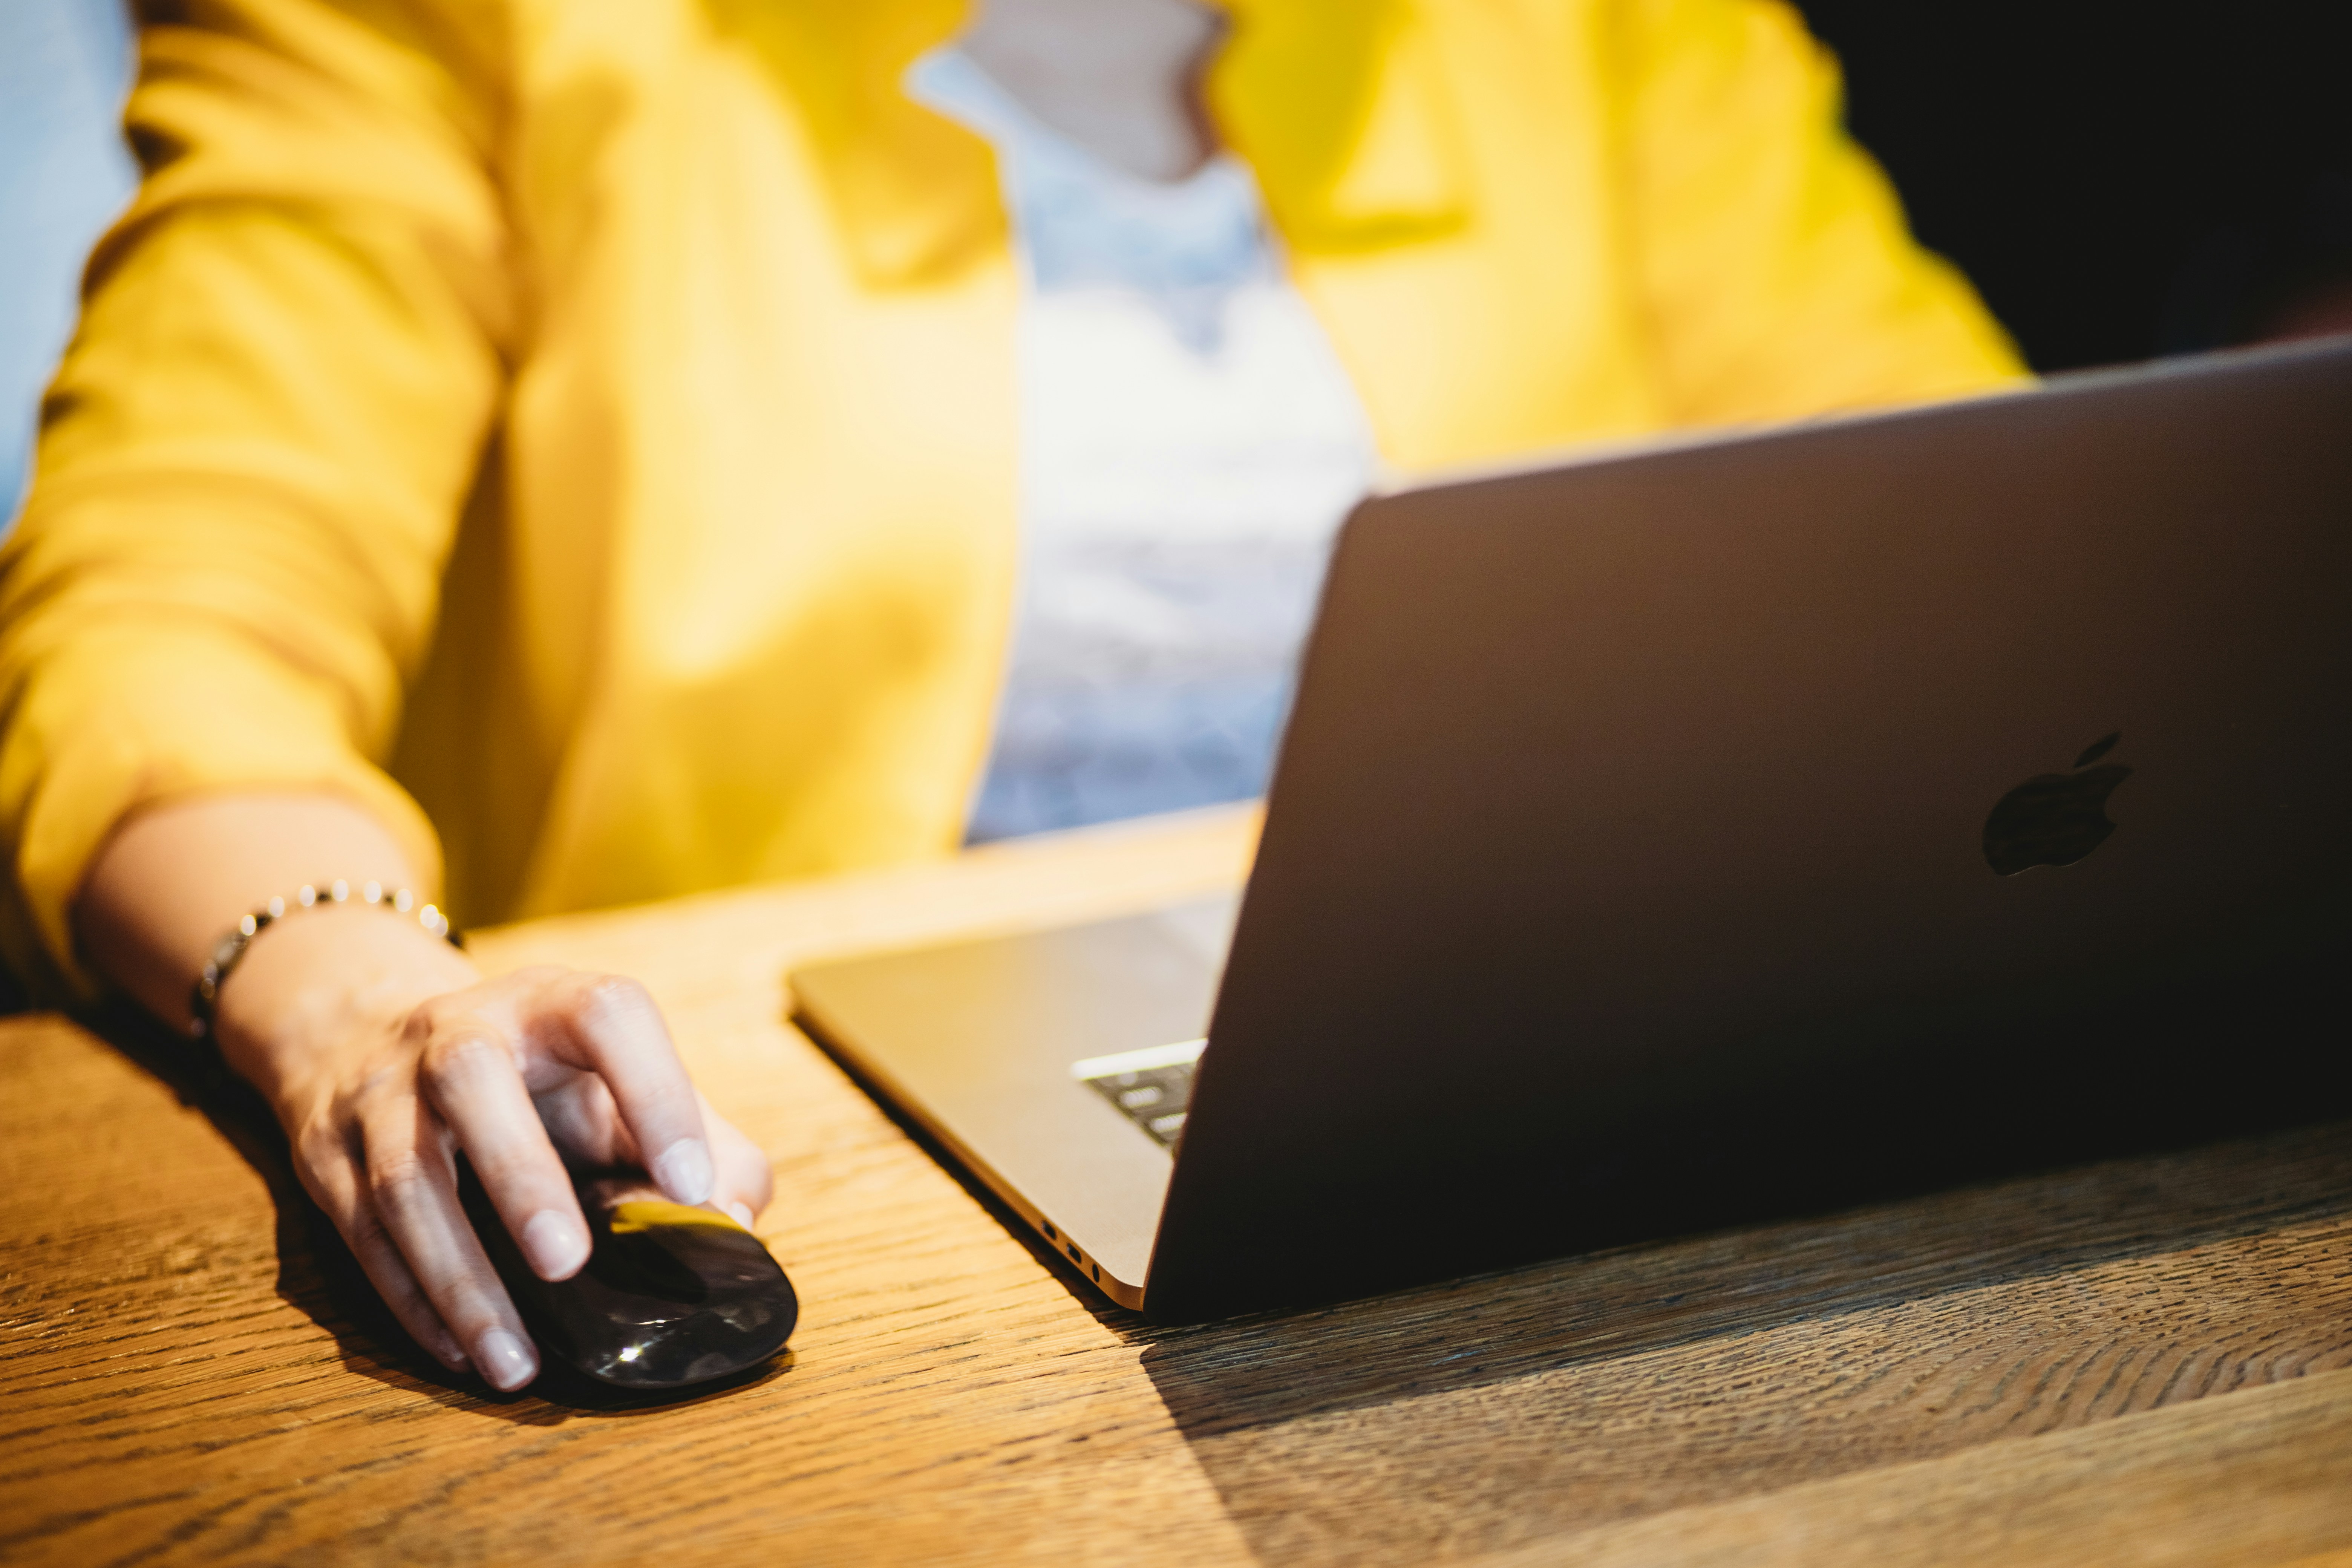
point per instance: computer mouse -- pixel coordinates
(671, 1296)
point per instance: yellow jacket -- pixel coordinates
(583, 427)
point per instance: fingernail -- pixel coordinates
(505, 1359)
(684, 1171)
(553, 1243)
(742, 1213)
(445, 1347)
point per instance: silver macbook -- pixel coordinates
(1729, 830)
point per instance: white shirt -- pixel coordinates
(1190, 445)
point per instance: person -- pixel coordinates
(542, 456)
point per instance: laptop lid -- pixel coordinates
(1664, 842)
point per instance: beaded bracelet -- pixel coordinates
(226, 953)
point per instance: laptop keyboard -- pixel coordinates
(1154, 1098)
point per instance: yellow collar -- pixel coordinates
(1337, 104)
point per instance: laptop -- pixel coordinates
(1741, 828)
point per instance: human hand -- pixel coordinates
(384, 1052)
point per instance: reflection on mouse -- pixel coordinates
(671, 1295)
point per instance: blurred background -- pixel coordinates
(64, 68)
(2122, 178)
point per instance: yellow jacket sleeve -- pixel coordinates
(1776, 272)
(254, 455)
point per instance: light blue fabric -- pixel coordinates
(1188, 446)
(65, 65)
(1184, 246)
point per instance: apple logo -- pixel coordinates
(2055, 819)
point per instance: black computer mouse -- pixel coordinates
(671, 1295)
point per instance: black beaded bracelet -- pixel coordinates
(204, 1000)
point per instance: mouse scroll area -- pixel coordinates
(671, 1295)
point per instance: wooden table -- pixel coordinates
(2147, 1362)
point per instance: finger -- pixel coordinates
(745, 1182)
(380, 1260)
(412, 1182)
(468, 1073)
(610, 1027)
(580, 1118)
(332, 1176)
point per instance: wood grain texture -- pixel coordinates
(2254, 1478)
(2144, 1362)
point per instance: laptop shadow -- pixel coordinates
(1491, 1411)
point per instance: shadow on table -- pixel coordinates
(318, 1274)
(1479, 1414)
(1632, 1300)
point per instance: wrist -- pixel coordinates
(310, 989)
(230, 951)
